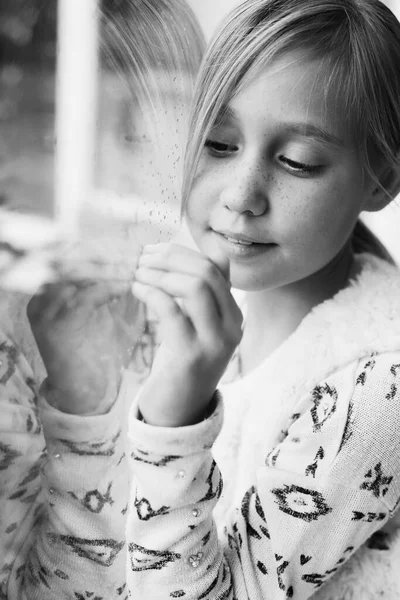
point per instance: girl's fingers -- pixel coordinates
(173, 258)
(155, 248)
(165, 308)
(197, 297)
(169, 251)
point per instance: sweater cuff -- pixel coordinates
(181, 441)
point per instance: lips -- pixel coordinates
(241, 247)
(238, 241)
(239, 238)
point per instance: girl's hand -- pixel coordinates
(85, 333)
(200, 327)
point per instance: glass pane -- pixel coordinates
(27, 92)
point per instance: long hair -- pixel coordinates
(358, 40)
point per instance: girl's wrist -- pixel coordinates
(154, 409)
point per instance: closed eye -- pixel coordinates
(219, 149)
(298, 167)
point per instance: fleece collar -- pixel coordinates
(360, 320)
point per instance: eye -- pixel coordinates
(220, 149)
(298, 167)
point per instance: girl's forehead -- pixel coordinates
(295, 86)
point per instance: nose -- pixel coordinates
(246, 192)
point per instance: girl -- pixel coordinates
(295, 132)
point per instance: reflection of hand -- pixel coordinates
(200, 327)
(85, 334)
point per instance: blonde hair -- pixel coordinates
(358, 39)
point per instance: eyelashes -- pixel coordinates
(300, 167)
(219, 149)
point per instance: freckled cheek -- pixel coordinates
(304, 215)
(293, 212)
(340, 210)
(323, 219)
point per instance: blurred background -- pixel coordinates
(130, 186)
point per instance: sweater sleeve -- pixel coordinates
(75, 548)
(332, 481)
(21, 454)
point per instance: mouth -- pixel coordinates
(240, 239)
(242, 247)
(239, 242)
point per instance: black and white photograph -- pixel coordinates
(199, 299)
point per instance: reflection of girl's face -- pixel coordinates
(279, 186)
(142, 145)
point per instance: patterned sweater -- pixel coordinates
(308, 448)
(270, 500)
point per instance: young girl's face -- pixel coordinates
(279, 186)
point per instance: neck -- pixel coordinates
(274, 314)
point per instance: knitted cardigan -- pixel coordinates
(309, 451)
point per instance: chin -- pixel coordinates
(250, 283)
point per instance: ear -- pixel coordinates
(382, 190)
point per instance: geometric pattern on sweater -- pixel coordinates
(94, 500)
(376, 482)
(8, 455)
(325, 400)
(145, 511)
(143, 559)
(313, 504)
(8, 360)
(301, 503)
(105, 448)
(101, 551)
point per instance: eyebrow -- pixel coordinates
(308, 130)
(313, 131)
